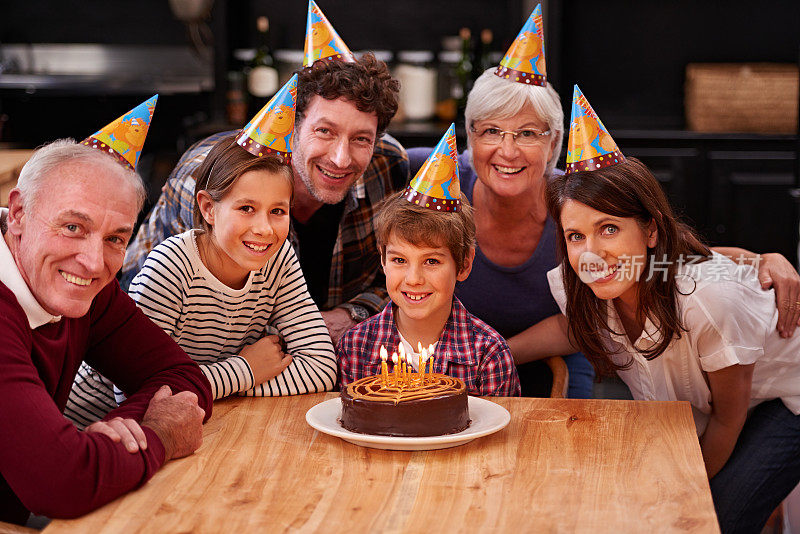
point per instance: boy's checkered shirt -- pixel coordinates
(468, 349)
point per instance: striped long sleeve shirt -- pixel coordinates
(213, 322)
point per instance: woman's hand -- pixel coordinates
(266, 358)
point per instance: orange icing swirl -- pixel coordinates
(371, 388)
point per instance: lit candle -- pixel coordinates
(423, 359)
(395, 361)
(430, 365)
(384, 366)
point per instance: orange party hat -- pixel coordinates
(590, 146)
(124, 138)
(322, 41)
(436, 184)
(270, 131)
(524, 61)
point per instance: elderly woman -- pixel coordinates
(515, 132)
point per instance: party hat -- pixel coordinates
(590, 146)
(124, 138)
(436, 185)
(524, 61)
(270, 131)
(322, 41)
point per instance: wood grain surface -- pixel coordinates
(560, 466)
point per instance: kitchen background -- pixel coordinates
(69, 67)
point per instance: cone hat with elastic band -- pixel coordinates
(322, 41)
(436, 184)
(270, 131)
(124, 138)
(524, 61)
(590, 146)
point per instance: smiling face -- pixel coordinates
(509, 170)
(609, 253)
(71, 243)
(421, 281)
(332, 148)
(248, 225)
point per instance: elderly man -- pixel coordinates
(343, 166)
(64, 237)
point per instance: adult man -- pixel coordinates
(64, 237)
(343, 166)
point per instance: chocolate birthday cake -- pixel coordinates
(374, 406)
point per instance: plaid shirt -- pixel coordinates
(469, 349)
(356, 276)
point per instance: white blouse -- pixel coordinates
(730, 320)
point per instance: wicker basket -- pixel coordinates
(747, 97)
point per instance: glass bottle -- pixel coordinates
(464, 69)
(483, 59)
(262, 82)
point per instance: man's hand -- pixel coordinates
(266, 358)
(777, 272)
(338, 321)
(177, 420)
(122, 430)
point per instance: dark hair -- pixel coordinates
(630, 190)
(367, 83)
(422, 226)
(224, 164)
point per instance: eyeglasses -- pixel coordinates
(524, 137)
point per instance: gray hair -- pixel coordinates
(493, 97)
(34, 174)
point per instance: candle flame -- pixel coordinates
(394, 358)
(419, 346)
(384, 354)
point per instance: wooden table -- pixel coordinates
(11, 162)
(560, 466)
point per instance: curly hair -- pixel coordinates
(366, 82)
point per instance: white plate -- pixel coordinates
(487, 418)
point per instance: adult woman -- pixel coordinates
(514, 133)
(701, 331)
(514, 137)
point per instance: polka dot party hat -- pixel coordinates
(590, 146)
(124, 138)
(322, 41)
(436, 184)
(524, 61)
(270, 131)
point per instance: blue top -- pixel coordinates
(511, 299)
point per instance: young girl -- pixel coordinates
(646, 299)
(231, 292)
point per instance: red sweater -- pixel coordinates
(49, 467)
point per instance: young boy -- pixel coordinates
(423, 253)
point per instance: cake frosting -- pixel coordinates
(372, 405)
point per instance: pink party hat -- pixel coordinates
(524, 61)
(590, 146)
(270, 131)
(322, 41)
(436, 184)
(124, 138)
